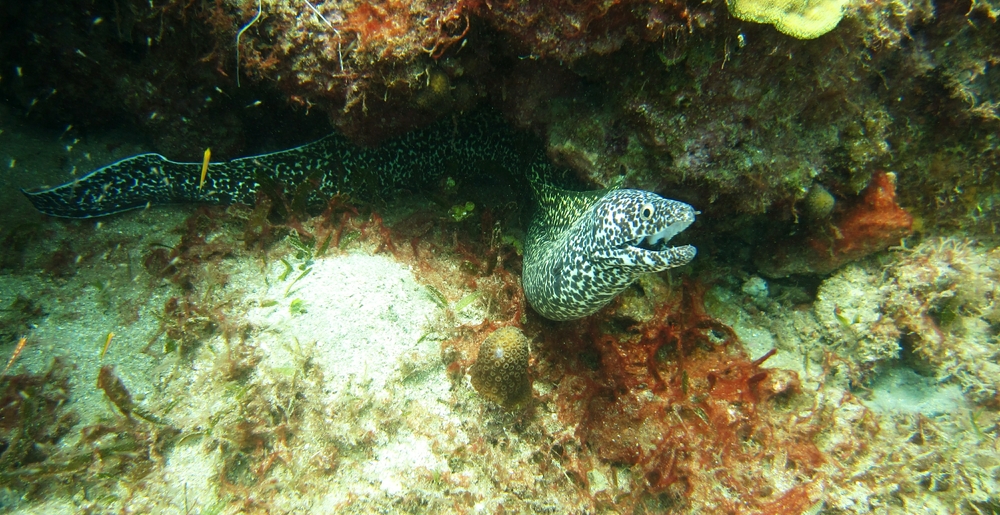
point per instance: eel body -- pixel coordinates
(582, 248)
(333, 163)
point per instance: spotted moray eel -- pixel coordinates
(334, 164)
(582, 248)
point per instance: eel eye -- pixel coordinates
(647, 211)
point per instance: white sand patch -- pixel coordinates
(363, 323)
(187, 483)
(191, 474)
(362, 314)
(108, 293)
(901, 389)
(398, 458)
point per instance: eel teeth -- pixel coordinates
(657, 240)
(651, 243)
(654, 239)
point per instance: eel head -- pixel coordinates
(634, 226)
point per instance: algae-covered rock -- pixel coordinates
(942, 296)
(871, 223)
(500, 373)
(802, 19)
(849, 307)
(935, 301)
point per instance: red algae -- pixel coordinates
(681, 403)
(870, 224)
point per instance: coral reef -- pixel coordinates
(749, 124)
(873, 390)
(569, 31)
(500, 372)
(736, 118)
(849, 306)
(382, 68)
(799, 19)
(653, 404)
(899, 434)
(702, 121)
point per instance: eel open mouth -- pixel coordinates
(658, 241)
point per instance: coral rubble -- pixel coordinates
(934, 302)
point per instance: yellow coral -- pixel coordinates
(802, 19)
(500, 373)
